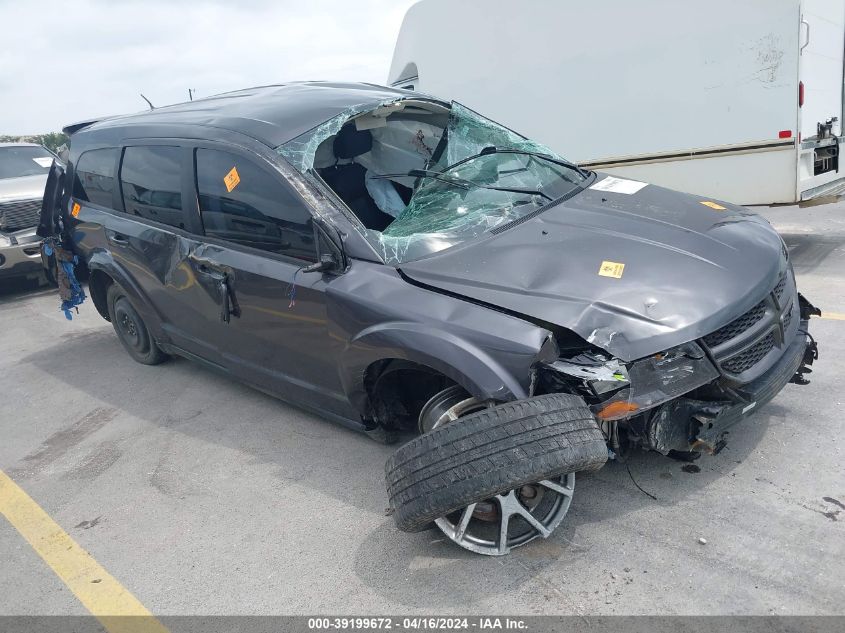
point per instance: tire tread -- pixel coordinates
(490, 452)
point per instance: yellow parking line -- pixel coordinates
(116, 609)
(837, 316)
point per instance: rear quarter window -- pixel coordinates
(93, 176)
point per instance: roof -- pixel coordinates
(272, 115)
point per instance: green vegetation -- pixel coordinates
(52, 140)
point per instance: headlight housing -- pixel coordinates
(642, 384)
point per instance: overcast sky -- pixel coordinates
(63, 61)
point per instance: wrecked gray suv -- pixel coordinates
(406, 266)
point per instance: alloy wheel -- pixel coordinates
(496, 525)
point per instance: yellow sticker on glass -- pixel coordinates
(611, 269)
(713, 205)
(75, 209)
(231, 179)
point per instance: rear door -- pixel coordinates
(151, 239)
(260, 235)
(821, 73)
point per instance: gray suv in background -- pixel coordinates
(23, 174)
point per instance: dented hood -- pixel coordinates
(688, 268)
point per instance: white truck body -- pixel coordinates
(701, 97)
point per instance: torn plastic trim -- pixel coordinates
(807, 308)
(641, 385)
(600, 374)
(687, 424)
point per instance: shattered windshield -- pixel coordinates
(473, 176)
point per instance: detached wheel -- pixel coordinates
(493, 477)
(131, 329)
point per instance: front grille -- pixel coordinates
(745, 341)
(21, 214)
(737, 326)
(787, 318)
(751, 356)
(780, 287)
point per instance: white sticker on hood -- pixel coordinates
(44, 161)
(619, 185)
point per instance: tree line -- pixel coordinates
(52, 140)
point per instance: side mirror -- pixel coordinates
(327, 262)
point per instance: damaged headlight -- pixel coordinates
(624, 390)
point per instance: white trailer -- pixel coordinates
(740, 100)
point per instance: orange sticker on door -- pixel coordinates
(75, 209)
(231, 179)
(611, 269)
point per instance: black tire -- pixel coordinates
(131, 329)
(491, 452)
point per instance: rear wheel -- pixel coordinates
(502, 476)
(131, 329)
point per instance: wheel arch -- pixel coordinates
(98, 287)
(409, 346)
(105, 271)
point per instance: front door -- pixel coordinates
(260, 235)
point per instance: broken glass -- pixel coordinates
(499, 177)
(300, 151)
(468, 133)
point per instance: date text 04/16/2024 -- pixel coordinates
(416, 623)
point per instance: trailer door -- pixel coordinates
(820, 169)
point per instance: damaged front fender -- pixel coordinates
(380, 316)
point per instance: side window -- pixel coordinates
(93, 176)
(242, 203)
(151, 182)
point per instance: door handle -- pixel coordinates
(117, 238)
(208, 271)
(222, 282)
(807, 41)
(229, 306)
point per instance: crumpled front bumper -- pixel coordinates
(686, 424)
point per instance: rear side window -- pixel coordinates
(151, 182)
(93, 176)
(242, 203)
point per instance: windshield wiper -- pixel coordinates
(461, 182)
(506, 150)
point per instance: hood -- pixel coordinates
(633, 274)
(23, 188)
